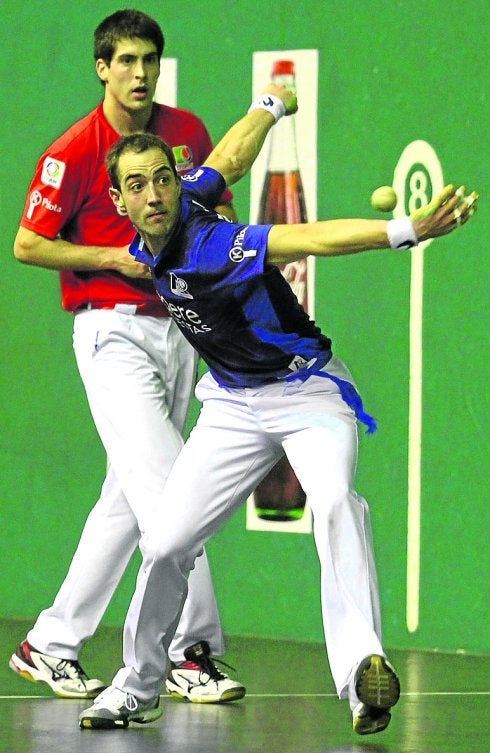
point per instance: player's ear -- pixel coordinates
(117, 200)
(101, 68)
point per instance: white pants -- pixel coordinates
(238, 437)
(138, 373)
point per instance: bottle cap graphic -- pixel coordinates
(283, 68)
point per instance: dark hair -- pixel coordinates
(125, 24)
(137, 143)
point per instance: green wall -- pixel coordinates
(389, 73)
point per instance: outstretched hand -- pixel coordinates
(287, 96)
(447, 211)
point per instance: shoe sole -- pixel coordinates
(33, 675)
(233, 694)
(100, 723)
(377, 684)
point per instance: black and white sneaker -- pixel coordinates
(199, 680)
(114, 709)
(378, 689)
(65, 677)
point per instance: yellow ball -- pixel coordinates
(384, 199)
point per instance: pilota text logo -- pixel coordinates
(53, 171)
(238, 253)
(35, 199)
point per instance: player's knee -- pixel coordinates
(330, 500)
(161, 548)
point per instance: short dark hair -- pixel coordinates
(137, 143)
(125, 24)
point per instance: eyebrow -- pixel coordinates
(134, 55)
(161, 169)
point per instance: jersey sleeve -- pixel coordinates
(236, 253)
(205, 185)
(56, 191)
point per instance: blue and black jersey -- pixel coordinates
(237, 310)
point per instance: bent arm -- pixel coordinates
(34, 249)
(235, 153)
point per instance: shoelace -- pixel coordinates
(208, 666)
(131, 703)
(67, 668)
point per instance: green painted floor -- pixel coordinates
(290, 706)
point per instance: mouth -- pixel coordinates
(140, 92)
(156, 216)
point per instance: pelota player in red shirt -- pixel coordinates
(137, 369)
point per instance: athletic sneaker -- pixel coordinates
(199, 680)
(65, 677)
(114, 709)
(378, 689)
(366, 720)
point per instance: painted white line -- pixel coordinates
(415, 694)
(414, 437)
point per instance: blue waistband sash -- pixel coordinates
(347, 390)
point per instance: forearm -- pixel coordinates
(31, 248)
(234, 155)
(329, 238)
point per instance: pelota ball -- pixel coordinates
(384, 199)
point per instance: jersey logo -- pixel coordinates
(37, 198)
(178, 286)
(53, 171)
(194, 177)
(297, 363)
(34, 200)
(184, 159)
(238, 254)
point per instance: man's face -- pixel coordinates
(131, 77)
(150, 195)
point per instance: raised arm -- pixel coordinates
(234, 155)
(447, 211)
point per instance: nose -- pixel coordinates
(140, 69)
(151, 196)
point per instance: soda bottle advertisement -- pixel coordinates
(279, 195)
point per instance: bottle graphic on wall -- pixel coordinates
(279, 495)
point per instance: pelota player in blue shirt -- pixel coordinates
(273, 386)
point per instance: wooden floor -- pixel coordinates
(290, 706)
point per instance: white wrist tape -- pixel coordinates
(401, 234)
(271, 103)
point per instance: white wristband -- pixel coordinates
(271, 103)
(401, 234)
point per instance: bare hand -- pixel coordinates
(287, 96)
(125, 264)
(446, 212)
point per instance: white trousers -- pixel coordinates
(239, 436)
(138, 373)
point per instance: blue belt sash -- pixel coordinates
(347, 390)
